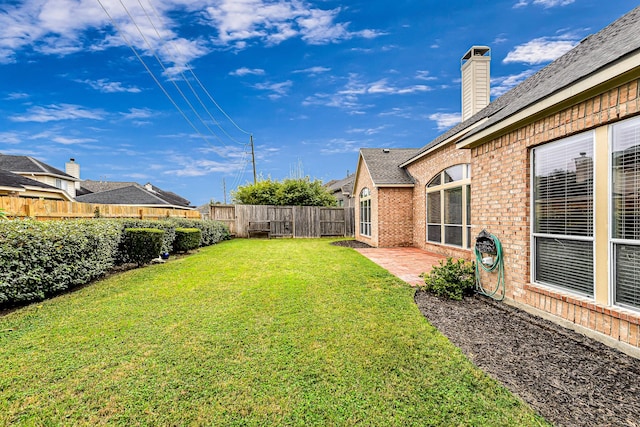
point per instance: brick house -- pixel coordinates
(551, 168)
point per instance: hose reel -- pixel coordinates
(488, 252)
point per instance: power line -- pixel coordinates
(122, 34)
(177, 51)
(152, 50)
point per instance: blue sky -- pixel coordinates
(168, 91)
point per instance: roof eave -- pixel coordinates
(617, 73)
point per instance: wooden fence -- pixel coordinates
(22, 207)
(287, 221)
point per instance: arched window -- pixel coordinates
(365, 212)
(449, 207)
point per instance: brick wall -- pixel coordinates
(501, 168)
(422, 171)
(362, 180)
(395, 224)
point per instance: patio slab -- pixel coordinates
(405, 263)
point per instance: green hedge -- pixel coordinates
(187, 239)
(212, 231)
(38, 259)
(141, 245)
(167, 226)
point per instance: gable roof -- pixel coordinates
(128, 193)
(382, 164)
(29, 165)
(596, 52)
(13, 182)
(344, 185)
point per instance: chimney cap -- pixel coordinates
(385, 150)
(72, 159)
(476, 51)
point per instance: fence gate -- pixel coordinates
(332, 222)
(281, 218)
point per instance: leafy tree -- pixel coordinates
(289, 192)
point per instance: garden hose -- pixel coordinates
(497, 263)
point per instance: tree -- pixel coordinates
(289, 192)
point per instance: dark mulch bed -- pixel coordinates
(571, 380)
(350, 244)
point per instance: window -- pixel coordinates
(61, 184)
(449, 207)
(563, 214)
(365, 212)
(625, 210)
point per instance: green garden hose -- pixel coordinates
(498, 264)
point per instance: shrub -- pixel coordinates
(141, 245)
(212, 232)
(39, 259)
(187, 239)
(168, 227)
(452, 279)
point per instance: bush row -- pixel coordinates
(40, 259)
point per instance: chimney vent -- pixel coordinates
(475, 80)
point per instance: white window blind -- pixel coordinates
(563, 213)
(625, 232)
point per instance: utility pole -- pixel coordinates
(253, 160)
(224, 189)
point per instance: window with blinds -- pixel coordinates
(563, 214)
(448, 207)
(625, 221)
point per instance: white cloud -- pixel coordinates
(71, 141)
(313, 70)
(501, 85)
(544, 3)
(277, 21)
(540, 50)
(138, 114)
(368, 131)
(10, 138)
(57, 112)
(246, 71)
(424, 75)
(278, 89)
(16, 96)
(190, 167)
(105, 86)
(341, 146)
(445, 120)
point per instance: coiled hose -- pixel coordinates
(498, 264)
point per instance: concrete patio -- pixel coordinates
(405, 263)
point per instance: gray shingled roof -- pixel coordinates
(27, 164)
(344, 185)
(130, 195)
(383, 165)
(595, 52)
(121, 193)
(13, 180)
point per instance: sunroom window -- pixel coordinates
(448, 207)
(563, 214)
(365, 212)
(625, 223)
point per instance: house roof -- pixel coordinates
(344, 185)
(130, 195)
(29, 165)
(20, 183)
(382, 164)
(127, 193)
(595, 52)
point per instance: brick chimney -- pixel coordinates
(475, 80)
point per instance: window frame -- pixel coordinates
(441, 187)
(536, 236)
(364, 204)
(616, 242)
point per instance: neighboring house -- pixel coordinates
(342, 190)
(129, 193)
(58, 185)
(12, 184)
(524, 168)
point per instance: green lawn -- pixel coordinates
(247, 332)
